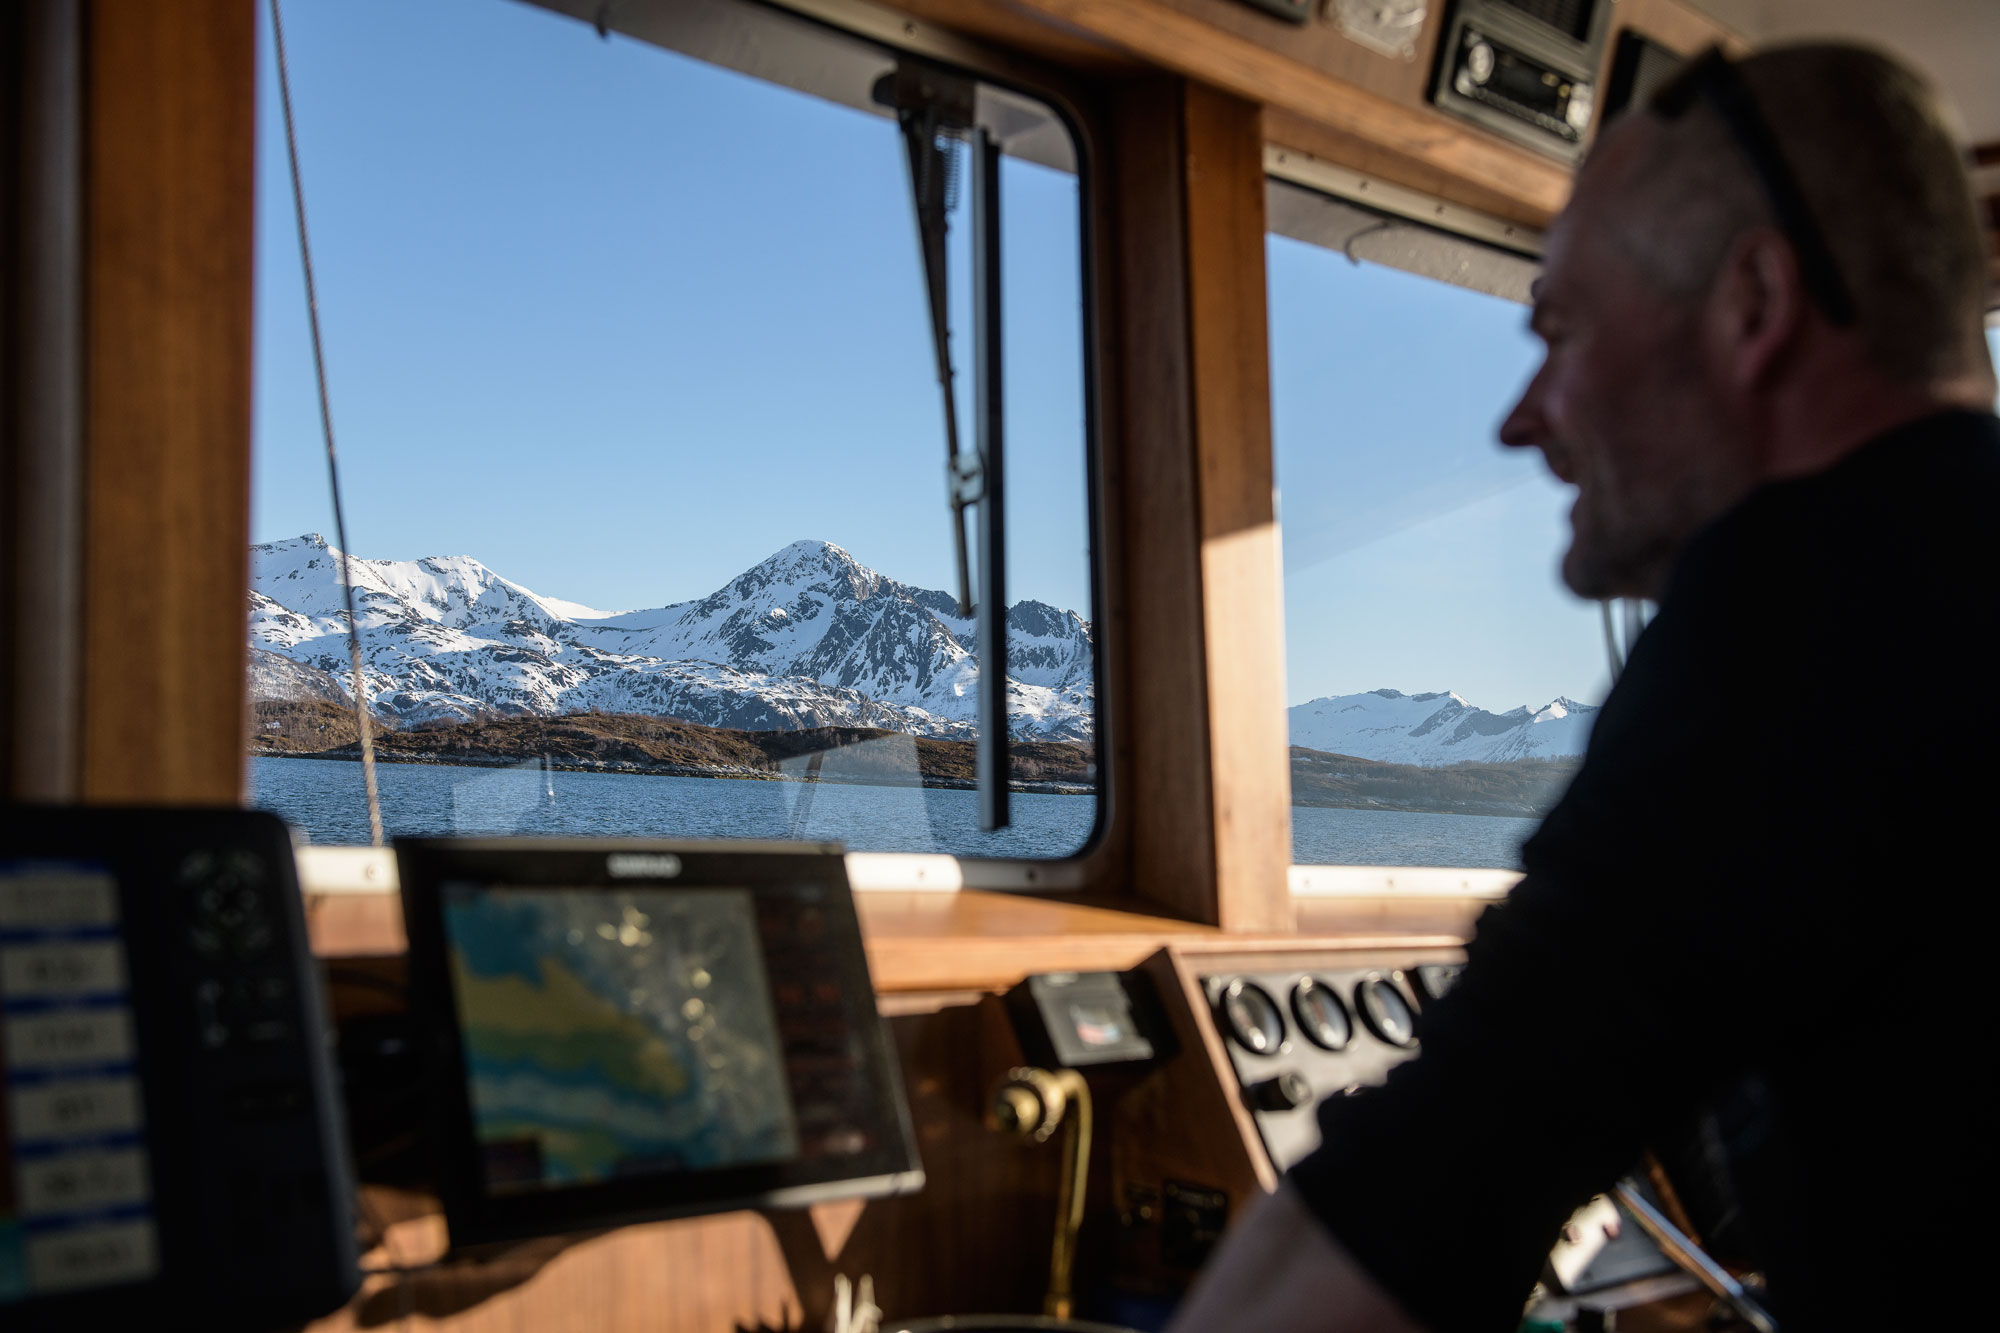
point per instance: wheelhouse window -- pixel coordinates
(631, 365)
(1441, 680)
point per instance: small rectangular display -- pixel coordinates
(613, 1033)
(75, 1180)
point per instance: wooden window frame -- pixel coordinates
(1197, 840)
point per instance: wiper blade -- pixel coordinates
(935, 111)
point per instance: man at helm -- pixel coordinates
(1767, 378)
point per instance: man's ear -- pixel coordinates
(1755, 308)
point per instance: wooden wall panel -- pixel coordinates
(1153, 480)
(1242, 574)
(1324, 93)
(1288, 129)
(1320, 75)
(168, 273)
(1207, 775)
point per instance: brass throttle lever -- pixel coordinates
(1032, 1104)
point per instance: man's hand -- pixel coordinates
(1278, 1271)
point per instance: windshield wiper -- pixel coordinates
(936, 111)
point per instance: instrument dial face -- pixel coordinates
(1385, 1011)
(1252, 1017)
(1322, 1017)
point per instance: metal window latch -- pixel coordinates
(965, 479)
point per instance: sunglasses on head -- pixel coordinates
(1714, 79)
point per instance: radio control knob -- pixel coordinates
(1284, 1092)
(1479, 62)
(1582, 101)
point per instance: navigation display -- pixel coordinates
(622, 1031)
(75, 1179)
(615, 1032)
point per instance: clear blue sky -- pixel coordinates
(620, 324)
(1419, 554)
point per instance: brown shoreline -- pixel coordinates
(352, 755)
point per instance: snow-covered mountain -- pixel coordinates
(274, 676)
(1439, 728)
(806, 638)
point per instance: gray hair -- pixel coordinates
(1883, 178)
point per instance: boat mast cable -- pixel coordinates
(361, 718)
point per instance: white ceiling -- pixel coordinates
(1956, 42)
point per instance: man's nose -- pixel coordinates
(1524, 426)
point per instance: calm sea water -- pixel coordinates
(1322, 837)
(324, 798)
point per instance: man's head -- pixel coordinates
(1694, 349)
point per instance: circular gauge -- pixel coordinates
(1252, 1017)
(1385, 1011)
(1322, 1017)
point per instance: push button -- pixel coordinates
(1286, 1092)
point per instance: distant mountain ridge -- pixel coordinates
(1437, 729)
(808, 637)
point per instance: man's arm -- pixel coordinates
(1279, 1271)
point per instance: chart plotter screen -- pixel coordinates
(699, 1036)
(613, 1033)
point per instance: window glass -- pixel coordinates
(1441, 680)
(642, 451)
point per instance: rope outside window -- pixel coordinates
(361, 717)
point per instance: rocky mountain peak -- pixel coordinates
(1439, 728)
(808, 636)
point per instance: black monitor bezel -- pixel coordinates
(139, 849)
(476, 1216)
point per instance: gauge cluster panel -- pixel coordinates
(1297, 1037)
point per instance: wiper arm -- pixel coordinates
(935, 110)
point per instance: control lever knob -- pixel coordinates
(1016, 1111)
(1285, 1092)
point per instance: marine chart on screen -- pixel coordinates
(613, 1034)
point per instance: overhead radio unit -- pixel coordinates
(1525, 69)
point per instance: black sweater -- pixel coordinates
(1776, 864)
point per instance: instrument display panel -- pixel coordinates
(170, 1137)
(647, 1033)
(76, 1191)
